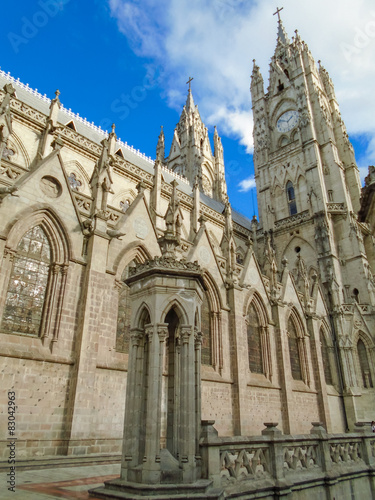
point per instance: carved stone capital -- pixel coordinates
(118, 285)
(198, 338)
(64, 269)
(136, 335)
(163, 333)
(9, 254)
(55, 268)
(149, 331)
(186, 331)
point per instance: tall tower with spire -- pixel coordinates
(191, 154)
(309, 187)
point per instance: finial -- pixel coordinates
(189, 82)
(57, 93)
(278, 13)
(113, 128)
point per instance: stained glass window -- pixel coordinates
(28, 283)
(75, 183)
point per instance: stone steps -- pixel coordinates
(61, 461)
(116, 488)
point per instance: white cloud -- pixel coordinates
(216, 40)
(247, 184)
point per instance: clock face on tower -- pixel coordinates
(287, 121)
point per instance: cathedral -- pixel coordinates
(135, 303)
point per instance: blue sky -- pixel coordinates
(128, 62)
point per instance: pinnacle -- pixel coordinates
(190, 101)
(282, 34)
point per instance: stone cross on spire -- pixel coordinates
(278, 12)
(189, 82)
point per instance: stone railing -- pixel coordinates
(73, 115)
(292, 220)
(336, 208)
(239, 463)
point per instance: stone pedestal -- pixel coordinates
(163, 386)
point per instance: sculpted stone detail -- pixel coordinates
(292, 220)
(243, 464)
(50, 186)
(164, 263)
(83, 202)
(300, 457)
(345, 452)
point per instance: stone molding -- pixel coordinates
(292, 220)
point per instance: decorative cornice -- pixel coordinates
(293, 220)
(164, 265)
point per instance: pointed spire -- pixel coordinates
(281, 33)
(171, 239)
(112, 138)
(160, 148)
(327, 82)
(190, 106)
(218, 148)
(5, 117)
(256, 75)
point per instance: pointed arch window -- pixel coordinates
(258, 342)
(206, 350)
(294, 352)
(26, 293)
(364, 365)
(291, 198)
(298, 351)
(325, 359)
(254, 341)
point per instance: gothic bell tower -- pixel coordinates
(309, 196)
(191, 154)
(307, 178)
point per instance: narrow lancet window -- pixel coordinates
(291, 197)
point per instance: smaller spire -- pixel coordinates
(190, 101)
(256, 74)
(281, 33)
(160, 148)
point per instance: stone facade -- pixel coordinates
(273, 321)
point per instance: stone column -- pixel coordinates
(188, 416)
(132, 422)
(324, 411)
(151, 465)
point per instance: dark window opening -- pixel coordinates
(280, 87)
(291, 198)
(254, 342)
(71, 125)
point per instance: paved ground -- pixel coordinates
(62, 482)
